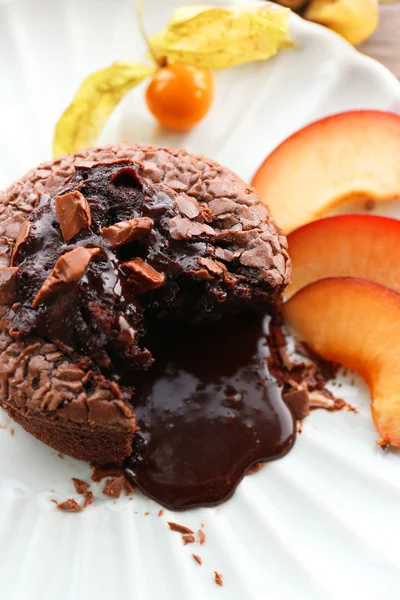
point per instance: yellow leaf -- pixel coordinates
(355, 20)
(95, 100)
(222, 37)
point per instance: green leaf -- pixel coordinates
(97, 97)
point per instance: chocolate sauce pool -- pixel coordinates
(207, 411)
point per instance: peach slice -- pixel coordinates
(350, 155)
(364, 246)
(356, 322)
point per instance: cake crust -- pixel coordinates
(60, 395)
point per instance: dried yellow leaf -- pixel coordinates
(95, 100)
(222, 37)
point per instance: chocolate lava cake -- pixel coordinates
(94, 247)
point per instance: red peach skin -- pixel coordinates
(354, 154)
(363, 246)
(356, 323)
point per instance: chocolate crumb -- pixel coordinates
(129, 488)
(201, 536)
(146, 513)
(73, 213)
(255, 468)
(100, 473)
(160, 512)
(81, 487)
(88, 499)
(188, 539)
(12, 430)
(114, 486)
(126, 231)
(69, 505)
(218, 577)
(299, 427)
(197, 558)
(60, 456)
(179, 528)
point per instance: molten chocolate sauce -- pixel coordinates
(207, 411)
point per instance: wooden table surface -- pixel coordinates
(384, 45)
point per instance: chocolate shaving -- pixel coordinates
(81, 487)
(127, 231)
(218, 578)
(197, 558)
(69, 505)
(213, 266)
(143, 275)
(202, 537)
(21, 237)
(88, 499)
(67, 271)
(73, 214)
(179, 528)
(298, 402)
(8, 284)
(188, 539)
(113, 487)
(100, 473)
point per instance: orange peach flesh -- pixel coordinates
(364, 246)
(352, 154)
(357, 324)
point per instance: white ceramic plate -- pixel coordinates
(323, 523)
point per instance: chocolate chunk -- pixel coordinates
(22, 235)
(188, 538)
(197, 558)
(7, 285)
(81, 487)
(179, 528)
(218, 578)
(69, 505)
(143, 275)
(73, 213)
(68, 270)
(113, 487)
(127, 231)
(298, 402)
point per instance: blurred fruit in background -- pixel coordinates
(355, 20)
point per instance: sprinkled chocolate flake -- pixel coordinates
(8, 284)
(218, 578)
(21, 237)
(179, 528)
(126, 231)
(188, 539)
(198, 559)
(81, 487)
(202, 537)
(73, 213)
(68, 270)
(69, 505)
(143, 275)
(113, 487)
